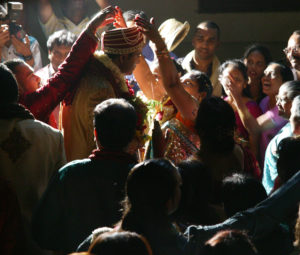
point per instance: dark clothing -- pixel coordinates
(83, 195)
(260, 222)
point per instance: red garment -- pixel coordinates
(43, 101)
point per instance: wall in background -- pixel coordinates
(237, 29)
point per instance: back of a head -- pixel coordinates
(150, 184)
(196, 182)
(288, 162)
(129, 15)
(13, 64)
(215, 124)
(240, 192)
(115, 122)
(59, 38)
(229, 242)
(116, 243)
(9, 86)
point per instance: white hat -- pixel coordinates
(173, 32)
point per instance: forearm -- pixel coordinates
(147, 81)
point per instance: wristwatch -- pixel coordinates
(27, 58)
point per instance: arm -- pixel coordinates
(45, 10)
(42, 102)
(184, 102)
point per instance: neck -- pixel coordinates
(298, 74)
(272, 102)
(202, 64)
(255, 88)
(76, 16)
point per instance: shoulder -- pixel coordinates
(74, 167)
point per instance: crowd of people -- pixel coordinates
(120, 146)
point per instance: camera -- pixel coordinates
(14, 10)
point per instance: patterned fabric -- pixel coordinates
(122, 41)
(183, 141)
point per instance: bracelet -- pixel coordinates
(27, 58)
(163, 53)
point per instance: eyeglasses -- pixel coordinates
(282, 100)
(295, 49)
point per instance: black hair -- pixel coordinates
(240, 192)
(237, 63)
(150, 185)
(9, 87)
(215, 124)
(13, 64)
(203, 81)
(116, 243)
(115, 122)
(285, 72)
(197, 188)
(263, 50)
(210, 25)
(61, 37)
(130, 15)
(288, 162)
(229, 242)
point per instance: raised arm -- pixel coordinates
(185, 103)
(44, 100)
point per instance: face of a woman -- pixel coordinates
(232, 77)
(190, 85)
(272, 80)
(256, 65)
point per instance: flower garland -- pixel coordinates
(123, 90)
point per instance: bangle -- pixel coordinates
(163, 53)
(27, 58)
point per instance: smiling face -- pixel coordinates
(283, 103)
(236, 75)
(272, 80)
(27, 80)
(256, 65)
(190, 85)
(293, 51)
(205, 42)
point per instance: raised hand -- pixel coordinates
(21, 47)
(119, 19)
(4, 35)
(102, 18)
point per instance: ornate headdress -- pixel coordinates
(122, 41)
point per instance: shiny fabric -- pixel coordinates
(184, 142)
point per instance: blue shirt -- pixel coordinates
(271, 156)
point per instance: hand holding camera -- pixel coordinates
(4, 35)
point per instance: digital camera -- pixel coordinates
(14, 10)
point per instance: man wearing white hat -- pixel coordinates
(205, 41)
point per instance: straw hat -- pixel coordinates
(173, 32)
